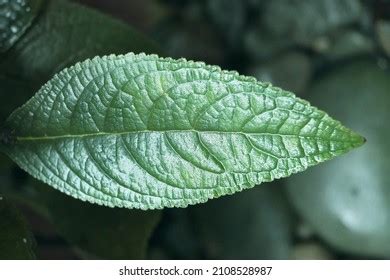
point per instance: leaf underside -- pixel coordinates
(139, 131)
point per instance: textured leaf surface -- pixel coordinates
(145, 132)
(15, 18)
(16, 240)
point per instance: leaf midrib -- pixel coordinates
(102, 134)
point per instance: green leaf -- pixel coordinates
(16, 241)
(15, 18)
(139, 131)
(73, 33)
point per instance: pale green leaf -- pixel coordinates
(140, 131)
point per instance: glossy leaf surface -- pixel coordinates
(139, 131)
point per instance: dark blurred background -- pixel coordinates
(334, 53)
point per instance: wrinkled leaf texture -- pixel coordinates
(140, 131)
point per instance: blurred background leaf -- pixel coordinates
(383, 33)
(304, 21)
(176, 237)
(97, 231)
(15, 19)
(253, 224)
(310, 251)
(93, 231)
(16, 240)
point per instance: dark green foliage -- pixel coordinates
(15, 18)
(16, 241)
(255, 224)
(100, 232)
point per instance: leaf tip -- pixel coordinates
(358, 140)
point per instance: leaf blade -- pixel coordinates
(140, 131)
